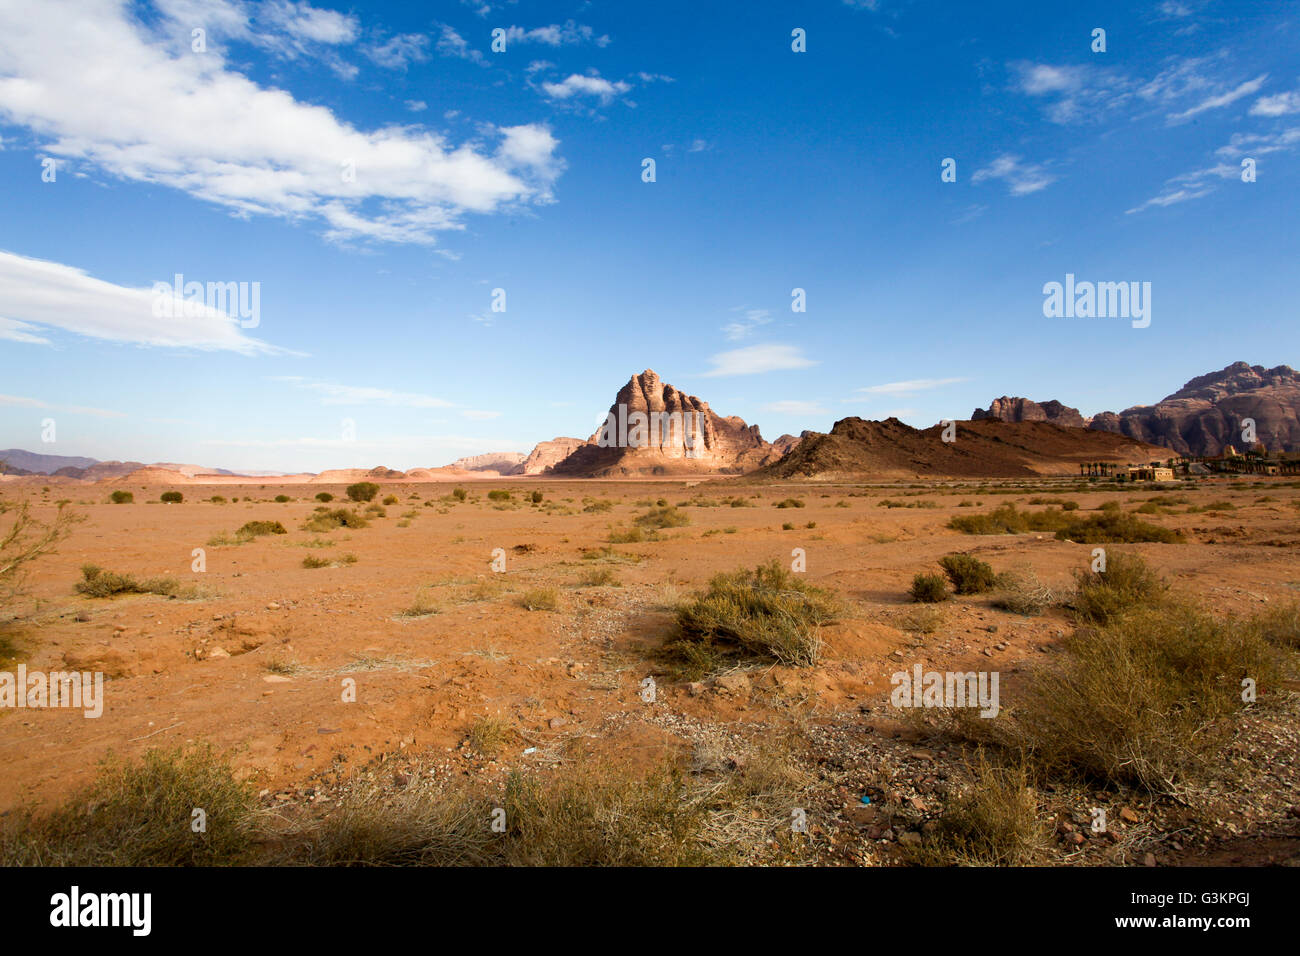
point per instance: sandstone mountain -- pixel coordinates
(1009, 409)
(982, 449)
(501, 462)
(547, 454)
(656, 429)
(1206, 414)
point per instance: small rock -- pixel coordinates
(557, 722)
(1149, 860)
(1127, 815)
(910, 838)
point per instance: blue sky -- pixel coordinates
(474, 170)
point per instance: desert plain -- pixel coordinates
(484, 633)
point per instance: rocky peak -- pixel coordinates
(1011, 409)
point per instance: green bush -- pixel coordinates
(789, 503)
(929, 589)
(324, 496)
(390, 500)
(122, 497)
(171, 497)
(769, 613)
(536, 497)
(281, 499)
(459, 494)
(1127, 583)
(254, 528)
(338, 518)
(499, 494)
(98, 583)
(363, 491)
(665, 517)
(968, 574)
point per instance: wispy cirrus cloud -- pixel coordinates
(1241, 90)
(752, 319)
(24, 402)
(794, 407)
(332, 393)
(1021, 178)
(1203, 181)
(757, 359)
(908, 387)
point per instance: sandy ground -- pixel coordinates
(290, 638)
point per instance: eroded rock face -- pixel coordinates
(547, 454)
(1010, 409)
(501, 462)
(1208, 413)
(654, 428)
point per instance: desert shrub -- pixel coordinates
(97, 583)
(121, 497)
(769, 613)
(596, 506)
(338, 518)
(536, 497)
(324, 497)
(789, 503)
(253, 529)
(488, 735)
(1022, 593)
(363, 491)
(599, 578)
(968, 574)
(1280, 624)
(991, 822)
(281, 499)
(929, 588)
(629, 536)
(1112, 527)
(498, 494)
(591, 817)
(139, 814)
(540, 599)
(311, 561)
(1005, 519)
(1144, 700)
(665, 517)
(217, 500)
(788, 526)
(171, 497)
(459, 494)
(1127, 583)
(390, 500)
(24, 540)
(376, 511)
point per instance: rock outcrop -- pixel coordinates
(1010, 409)
(1208, 413)
(547, 454)
(655, 429)
(500, 462)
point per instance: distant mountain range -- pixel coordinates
(653, 428)
(1203, 417)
